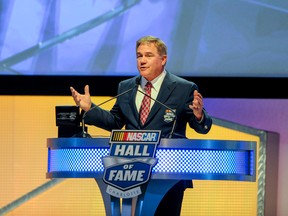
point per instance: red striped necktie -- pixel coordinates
(145, 105)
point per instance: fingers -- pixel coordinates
(196, 106)
(86, 90)
(73, 91)
(197, 103)
(197, 95)
(82, 100)
(76, 96)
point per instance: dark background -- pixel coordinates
(210, 87)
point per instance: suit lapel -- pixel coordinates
(132, 104)
(166, 90)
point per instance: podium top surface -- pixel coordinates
(57, 143)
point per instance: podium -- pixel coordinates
(177, 159)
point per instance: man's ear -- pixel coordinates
(164, 59)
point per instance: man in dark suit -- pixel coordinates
(181, 96)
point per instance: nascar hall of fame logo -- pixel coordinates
(169, 115)
(130, 162)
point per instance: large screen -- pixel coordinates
(223, 38)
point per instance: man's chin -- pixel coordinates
(144, 72)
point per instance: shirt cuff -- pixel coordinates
(201, 120)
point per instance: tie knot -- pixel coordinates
(148, 85)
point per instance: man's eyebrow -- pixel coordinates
(148, 53)
(144, 53)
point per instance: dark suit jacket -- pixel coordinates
(175, 92)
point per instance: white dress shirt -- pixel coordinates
(156, 83)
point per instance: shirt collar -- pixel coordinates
(157, 82)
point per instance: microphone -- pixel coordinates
(169, 108)
(84, 134)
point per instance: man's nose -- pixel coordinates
(143, 60)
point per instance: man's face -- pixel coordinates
(149, 63)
